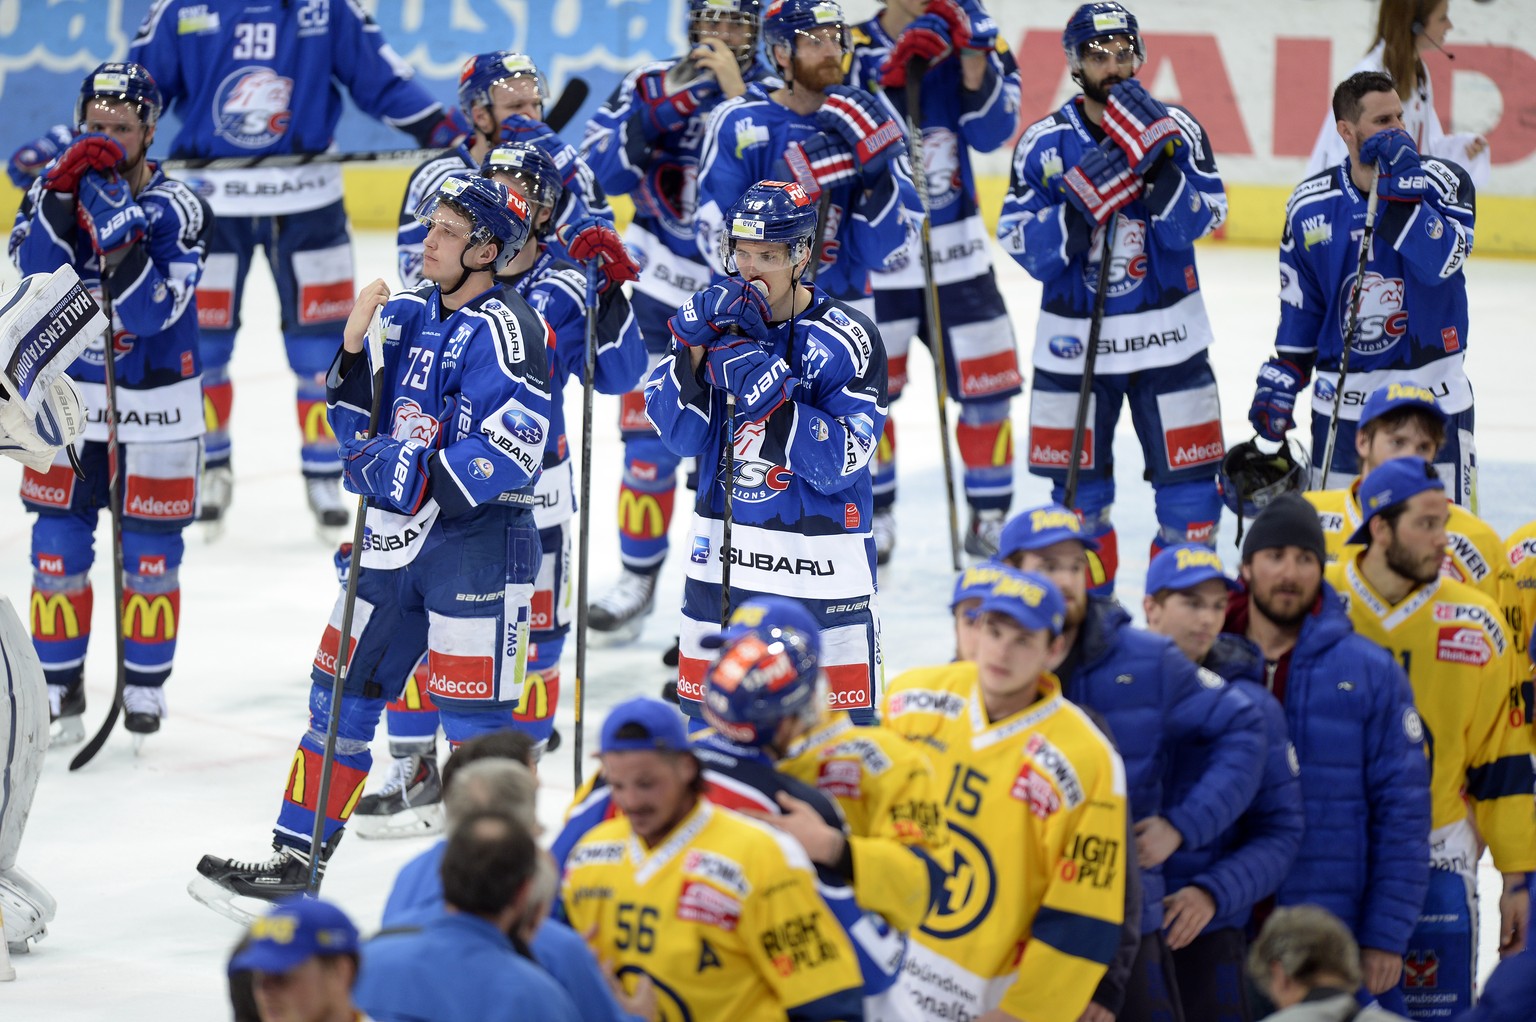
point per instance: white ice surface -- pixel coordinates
(116, 842)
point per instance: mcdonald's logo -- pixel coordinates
(54, 617)
(298, 792)
(296, 778)
(210, 414)
(313, 423)
(1002, 448)
(640, 515)
(149, 618)
(540, 693)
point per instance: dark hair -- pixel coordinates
(489, 859)
(242, 995)
(1348, 93)
(636, 730)
(1432, 425)
(505, 744)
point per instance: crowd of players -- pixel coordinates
(1347, 724)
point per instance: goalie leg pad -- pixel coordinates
(27, 909)
(411, 721)
(984, 435)
(24, 718)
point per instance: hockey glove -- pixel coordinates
(88, 152)
(34, 440)
(983, 30)
(711, 312)
(28, 161)
(1140, 125)
(1402, 176)
(518, 128)
(391, 473)
(1102, 183)
(342, 558)
(595, 238)
(667, 110)
(760, 381)
(108, 213)
(931, 37)
(1274, 399)
(819, 162)
(865, 126)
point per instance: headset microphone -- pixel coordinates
(1418, 29)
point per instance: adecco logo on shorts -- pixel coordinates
(848, 687)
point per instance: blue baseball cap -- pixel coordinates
(1183, 567)
(763, 616)
(1040, 527)
(661, 722)
(1405, 394)
(976, 581)
(296, 930)
(1031, 600)
(1391, 483)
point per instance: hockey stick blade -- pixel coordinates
(571, 98)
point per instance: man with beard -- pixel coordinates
(1455, 647)
(1350, 713)
(1116, 174)
(1154, 700)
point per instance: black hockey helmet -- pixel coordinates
(1250, 478)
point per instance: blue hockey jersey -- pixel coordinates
(865, 231)
(1413, 300)
(151, 293)
(1154, 314)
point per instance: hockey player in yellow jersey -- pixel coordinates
(719, 911)
(1400, 420)
(1455, 647)
(1036, 807)
(1520, 591)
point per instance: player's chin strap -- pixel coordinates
(465, 270)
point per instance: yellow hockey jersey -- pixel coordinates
(723, 915)
(1036, 806)
(1454, 645)
(1520, 598)
(1474, 553)
(890, 797)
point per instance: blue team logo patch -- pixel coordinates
(1063, 346)
(480, 468)
(523, 426)
(1434, 228)
(251, 107)
(700, 554)
(837, 316)
(818, 429)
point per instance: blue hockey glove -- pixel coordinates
(865, 126)
(1273, 413)
(28, 161)
(88, 152)
(668, 108)
(1140, 125)
(983, 35)
(594, 238)
(108, 213)
(391, 473)
(820, 161)
(1102, 183)
(342, 558)
(709, 313)
(1402, 177)
(518, 128)
(760, 381)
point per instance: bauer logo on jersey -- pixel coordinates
(411, 423)
(250, 107)
(1383, 320)
(718, 870)
(949, 705)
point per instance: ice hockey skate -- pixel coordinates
(883, 525)
(220, 882)
(619, 614)
(325, 503)
(66, 707)
(26, 908)
(408, 805)
(143, 706)
(216, 492)
(982, 536)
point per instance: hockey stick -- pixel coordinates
(1354, 321)
(558, 116)
(115, 506)
(349, 602)
(916, 68)
(584, 511)
(1090, 358)
(728, 513)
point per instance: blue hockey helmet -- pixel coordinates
(129, 83)
(1095, 21)
(785, 18)
(483, 71)
(1250, 479)
(704, 17)
(495, 214)
(768, 670)
(770, 211)
(528, 170)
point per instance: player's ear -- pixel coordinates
(1362, 443)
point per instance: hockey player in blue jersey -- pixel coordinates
(805, 375)
(138, 239)
(823, 135)
(644, 142)
(253, 78)
(1412, 321)
(453, 549)
(1115, 152)
(970, 100)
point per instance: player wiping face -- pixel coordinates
(1104, 63)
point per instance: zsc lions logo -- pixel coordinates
(250, 107)
(524, 427)
(1383, 320)
(941, 164)
(411, 423)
